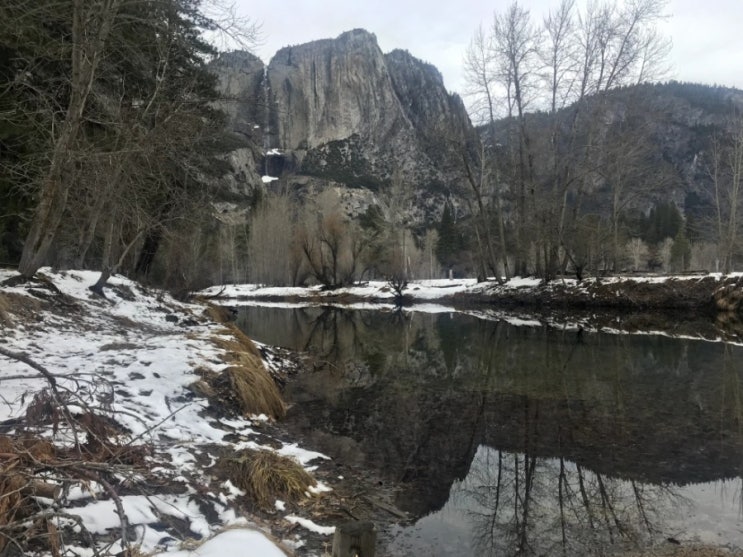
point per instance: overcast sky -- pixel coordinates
(707, 35)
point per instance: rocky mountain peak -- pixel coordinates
(340, 110)
(331, 89)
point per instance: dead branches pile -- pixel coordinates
(65, 439)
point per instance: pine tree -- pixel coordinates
(450, 243)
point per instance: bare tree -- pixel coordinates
(271, 233)
(91, 25)
(516, 40)
(726, 171)
(566, 66)
(328, 241)
(628, 170)
(482, 172)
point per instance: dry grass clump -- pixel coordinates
(218, 314)
(255, 391)
(239, 341)
(246, 384)
(266, 476)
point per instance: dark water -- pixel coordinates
(532, 440)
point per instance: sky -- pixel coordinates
(707, 35)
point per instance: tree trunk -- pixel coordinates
(89, 33)
(148, 252)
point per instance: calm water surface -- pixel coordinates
(527, 440)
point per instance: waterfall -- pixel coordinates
(266, 118)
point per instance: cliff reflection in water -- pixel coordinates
(566, 438)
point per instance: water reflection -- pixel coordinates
(513, 504)
(555, 441)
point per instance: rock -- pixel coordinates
(343, 112)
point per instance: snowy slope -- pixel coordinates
(131, 358)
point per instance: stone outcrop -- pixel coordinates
(344, 113)
(357, 117)
(333, 89)
(443, 128)
(241, 78)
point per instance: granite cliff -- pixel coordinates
(341, 112)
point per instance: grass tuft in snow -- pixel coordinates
(218, 314)
(266, 476)
(243, 342)
(246, 383)
(254, 391)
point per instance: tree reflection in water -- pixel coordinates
(523, 505)
(575, 441)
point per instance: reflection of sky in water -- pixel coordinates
(713, 514)
(418, 393)
(638, 513)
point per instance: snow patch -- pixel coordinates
(311, 526)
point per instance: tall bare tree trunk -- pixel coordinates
(91, 25)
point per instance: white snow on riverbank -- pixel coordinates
(131, 357)
(432, 289)
(431, 296)
(422, 290)
(232, 542)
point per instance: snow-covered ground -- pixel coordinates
(132, 357)
(376, 290)
(424, 290)
(440, 296)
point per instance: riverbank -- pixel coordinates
(115, 422)
(124, 418)
(702, 306)
(708, 293)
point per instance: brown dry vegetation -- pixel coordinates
(245, 385)
(266, 476)
(728, 297)
(25, 464)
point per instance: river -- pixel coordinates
(505, 437)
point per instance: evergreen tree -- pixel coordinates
(680, 252)
(451, 244)
(117, 96)
(664, 221)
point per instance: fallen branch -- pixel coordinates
(51, 379)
